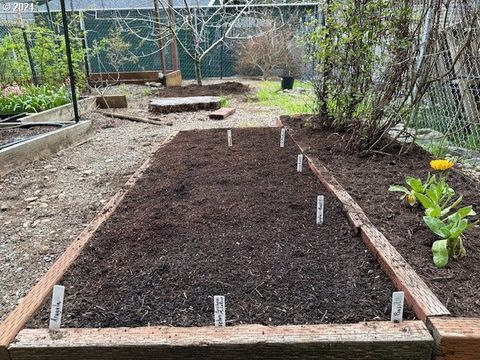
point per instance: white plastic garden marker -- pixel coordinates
(282, 137)
(219, 309)
(397, 306)
(300, 163)
(57, 308)
(320, 206)
(229, 137)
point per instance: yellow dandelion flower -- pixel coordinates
(441, 165)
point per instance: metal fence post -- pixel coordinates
(29, 55)
(83, 35)
(69, 61)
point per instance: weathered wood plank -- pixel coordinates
(354, 212)
(14, 157)
(222, 113)
(62, 113)
(424, 302)
(173, 78)
(455, 338)
(130, 77)
(17, 319)
(418, 294)
(375, 340)
(112, 101)
(132, 118)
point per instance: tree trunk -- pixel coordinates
(198, 70)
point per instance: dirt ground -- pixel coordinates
(367, 179)
(45, 205)
(207, 219)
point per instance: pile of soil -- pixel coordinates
(207, 219)
(14, 134)
(226, 88)
(367, 179)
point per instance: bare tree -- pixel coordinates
(192, 27)
(197, 29)
(275, 51)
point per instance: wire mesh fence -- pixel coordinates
(452, 104)
(134, 31)
(121, 37)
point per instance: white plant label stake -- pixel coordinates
(57, 308)
(320, 207)
(300, 163)
(229, 137)
(397, 306)
(219, 310)
(282, 137)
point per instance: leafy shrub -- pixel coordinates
(32, 98)
(48, 52)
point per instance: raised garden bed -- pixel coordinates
(367, 179)
(31, 142)
(206, 219)
(225, 88)
(11, 117)
(17, 133)
(62, 113)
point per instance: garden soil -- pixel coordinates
(224, 88)
(13, 134)
(367, 179)
(207, 219)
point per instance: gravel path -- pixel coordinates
(44, 206)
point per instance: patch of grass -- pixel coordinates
(224, 101)
(270, 94)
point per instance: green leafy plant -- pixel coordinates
(415, 187)
(224, 101)
(33, 99)
(451, 232)
(48, 54)
(437, 197)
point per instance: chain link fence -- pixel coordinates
(127, 40)
(451, 107)
(449, 115)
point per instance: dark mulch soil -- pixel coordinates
(367, 179)
(10, 135)
(210, 220)
(226, 88)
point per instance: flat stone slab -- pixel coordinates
(181, 104)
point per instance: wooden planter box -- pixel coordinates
(369, 340)
(62, 113)
(14, 157)
(128, 77)
(455, 338)
(11, 117)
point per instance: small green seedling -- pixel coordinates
(451, 231)
(437, 197)
(415, 187)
